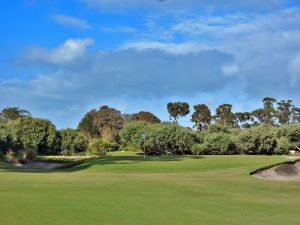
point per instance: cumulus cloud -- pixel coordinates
(107, 76)
(68, 52)
(70, 21)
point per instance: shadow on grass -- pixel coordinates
(70, 167)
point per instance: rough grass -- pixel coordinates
(125, 189)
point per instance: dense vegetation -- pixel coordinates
(267, 130)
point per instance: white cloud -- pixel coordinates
(172, 48)
(230, 70)
(70, 21)
(71, 50)
(119, 29)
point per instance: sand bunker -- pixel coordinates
(40, 165)
(282, 172)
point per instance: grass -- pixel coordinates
(125, 189)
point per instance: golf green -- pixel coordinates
(125, 189)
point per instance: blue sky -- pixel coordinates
(59, 59)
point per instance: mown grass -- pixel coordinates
(125, 189)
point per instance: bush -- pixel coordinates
(157, 139)
(133, 133)
(40, 134)
(199, 149)
(130, 148)
(291, 132)
(101, 147)
(72, 142)
(283, 146)
(168, 139)
(216, 144)
(257, 140)
(218, 128)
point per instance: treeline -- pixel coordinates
(272, 129)
(284, 112)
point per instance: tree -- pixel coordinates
(87, 126)
(178, 109)
(201, 117)
(37, 134)
(216, 144)
(168, 138)
(109, 122)
(257, 140)
(285, 111)
(12, 113)
(267, 114)
(295, 115)
(241, 119)
(72, 142)
(269, 110)
(224, 115)
(133, 133)
(144, 116)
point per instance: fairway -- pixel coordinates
(125, 189)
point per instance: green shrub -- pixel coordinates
(257, 140)
(40, 134)
(133, 133)
(283, 146)
(199, 149)
(218, 128)
(291, 132)
(71, 142)
(101, 147)
(169, 139)
(130, 148)
(216, 144)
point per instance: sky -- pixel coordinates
(60, 59)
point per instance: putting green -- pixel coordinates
(125, 189)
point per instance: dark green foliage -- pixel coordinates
(87, 126)
(243, 119)
(284, 111)
(291, 132)
(109, 122)
(296, 115)
(217, 128)
(134, 133)
(201, 117)
(224, 115)
(37, 134)
(283, 146)
(216, 144)
(12, 113)
(5, 141)
(144, 116)
(178, 109)
(168, 139)
(72, 142)
(156, 139)
(257, 140)
(101, 147)
(268, 113)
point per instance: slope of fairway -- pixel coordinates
(125, 189)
